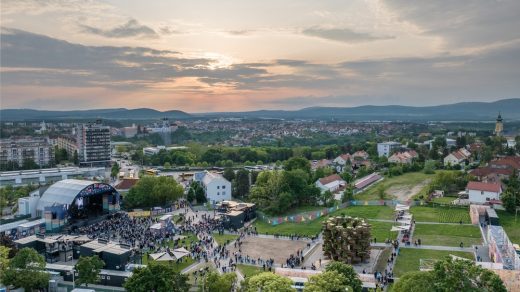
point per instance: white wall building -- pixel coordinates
(386, 148)
(330, 183)
(217, 188)
(480, 192)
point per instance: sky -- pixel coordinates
(239, 55)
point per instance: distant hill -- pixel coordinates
(464, 111)
(113, 114)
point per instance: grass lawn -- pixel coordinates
(409, 259)
(312, 228)
(440, 214)
(186, 262)
(507, 221)
(409, 179)
(250, 271)
(447, 235)
(223, 238)
(186, 242)
(381, 230)
(443, 200)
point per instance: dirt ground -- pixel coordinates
(266, 248)
(403, 193)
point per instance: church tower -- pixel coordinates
(499, 127)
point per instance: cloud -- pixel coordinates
(132, 28)
(462, 23)
(342, 35)
(32, 60)
(239, 32)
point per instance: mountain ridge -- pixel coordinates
(510, 109)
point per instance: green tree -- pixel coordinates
(242, 183)
(298, 163)
(4, 260)
(88, 270)
(75, 157)
(327, 197)
(114, 172)
(191, 195)
(451, 275)
(429, 167)
(464, 275)
(158, 277)
(414, 282)
(27, 270)
(348, 194)
(349, 274)
(29, 163)
(381, 192)
(151, 191)
(213, 282)
(329, 281)
(167, 165)
(229, 174)
(268, 282)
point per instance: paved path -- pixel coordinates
(421, 222)
(438, 247)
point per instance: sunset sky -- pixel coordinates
(201, 56)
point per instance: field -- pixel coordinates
(397, 184)
(381, 230)
(186, 242)
(441, 215)
(447, 235)
(223, 238)
(507, 221)
(409, 259)
(249, 271)
(312, 228)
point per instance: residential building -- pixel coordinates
(68, 143)
(93, 142)
(129, 132)
(216, 187)
(22, 149)
(449, 143)
(457, 157)
(157, 149)
(323, 163)
(405, 157)
(480, 192)
(387, 148)
(330, 183)
(360, 155)
(341, 161)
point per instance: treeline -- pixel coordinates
(275, 192)
(198, 155)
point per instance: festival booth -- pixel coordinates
(115, 255)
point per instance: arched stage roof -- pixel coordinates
(65, 191)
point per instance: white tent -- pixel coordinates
(179, 253)
(398, 228)
(401, 207)
(405, 222)
(162, 257)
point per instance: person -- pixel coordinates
(461, 244)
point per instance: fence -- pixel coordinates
(312, 215)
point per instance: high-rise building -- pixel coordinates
(20, 150)
(499, 126)
(93, 141)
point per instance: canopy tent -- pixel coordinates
(401, 207)
(156, 226)
(407, 216)
(398, 228)
(405, 222)
(179, 253)
(162, 257)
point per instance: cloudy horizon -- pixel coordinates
(203, 56)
